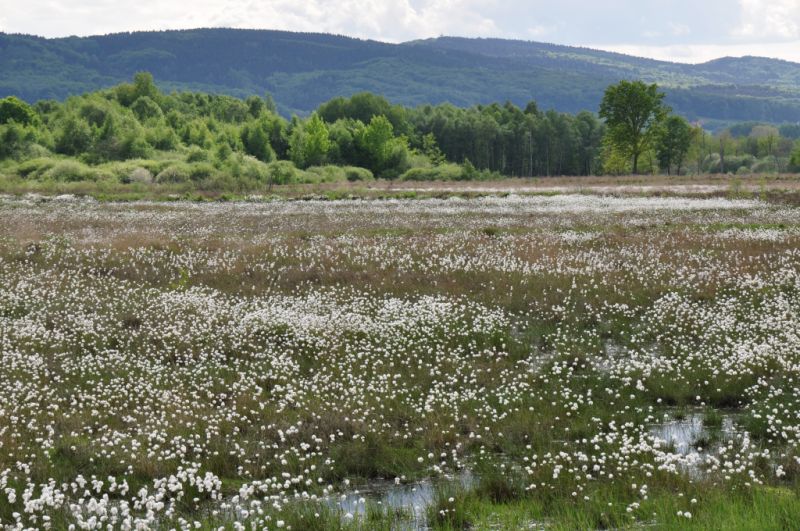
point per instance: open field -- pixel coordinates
(774, 188)
(501, 357)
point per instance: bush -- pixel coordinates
(445, 172)
(163, 138)
(323, 174)
(146, 109)
(123, 170)
(766, 165)
(201, 171)
(13, 109)
(180, 172)
(141, 176)
(794, 163)
(247, 167)
(197, 154)
(174, 174)
(354, 174)
(70, 171)
(35, 168)
(15, 139)
(281, 172)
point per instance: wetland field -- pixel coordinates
(500, 358)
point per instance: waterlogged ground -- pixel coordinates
(517, 362)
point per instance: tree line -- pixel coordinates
(136, 132)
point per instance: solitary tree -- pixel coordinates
(632, 110)
(672, 143)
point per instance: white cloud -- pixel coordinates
(385, 20)
(700, 53)
(769, 19)
(679, 30)
(686, 30)
(539, 31)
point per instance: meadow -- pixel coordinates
(554, 358)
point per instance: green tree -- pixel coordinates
(146, 109)
(74, 136)
(673, 140)
(14, 109)
(143, 85)
(632, 111)
(310, 142)
(374, 141)
(766, 137)
(794, 163)
(255, 106)
(15, 139)
(256, 141)
(431, 150)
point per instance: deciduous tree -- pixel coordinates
(632, 110)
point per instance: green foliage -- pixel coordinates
(255, 138)
(673, 140)
(632, 110)
(303, 71)
(175, 173)
(794, 163)
(355, 174)
(73, 136)
(383, 153)
(13, 109)
(445, 172)
(310, 142)
(431, 150)
(281, 172)
(15, 139)
(364, 107)
(218, 142)
(70, 171)
(146, 109)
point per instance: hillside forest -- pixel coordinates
(136, 133)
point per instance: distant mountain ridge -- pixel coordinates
(302, 70)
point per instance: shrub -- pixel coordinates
(13, 109)
(141, 175)
(146, 109)
(281, 172)
(163, 138)
(15, 139)
(445, 172)
(324, 174)
(174, 174)
(70, 171)
(200, 171)
(35, 168)
(182, 173)
(197, 154)
(794, 163)
(354, 174)
(766, 165)
(247, 167)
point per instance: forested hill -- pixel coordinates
(302, 70)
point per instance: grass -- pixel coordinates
(779, 189)
(140, 322)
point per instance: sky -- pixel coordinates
(678, 30)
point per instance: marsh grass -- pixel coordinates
(590, 356)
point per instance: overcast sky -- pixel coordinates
(678, 30)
